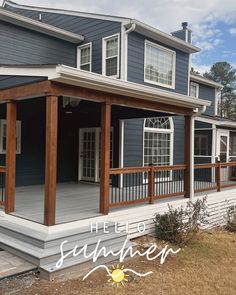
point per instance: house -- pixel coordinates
(102, 109)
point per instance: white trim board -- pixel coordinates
(38, 26)
(74, 76)
(140, 27)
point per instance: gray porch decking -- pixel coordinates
(75, 201)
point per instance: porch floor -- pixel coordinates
(75, 201)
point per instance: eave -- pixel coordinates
(72, 76)
(38, 26)
(205, 81)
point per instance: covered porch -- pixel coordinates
(54, 202)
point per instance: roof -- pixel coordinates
(140, 27)
(77, 77)
(38, 26)
(217, 120)
(203, 80)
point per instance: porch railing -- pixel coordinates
(2, 185)
(146, 184)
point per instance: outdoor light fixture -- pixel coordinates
(69, 103)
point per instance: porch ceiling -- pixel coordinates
(90, 86)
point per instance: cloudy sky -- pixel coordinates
(213, 21)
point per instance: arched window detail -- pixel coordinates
(158, 141)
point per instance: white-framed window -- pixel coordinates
(159, 65)
(158, 141)
(111, 56)
(3, 136)
(201, 145)
(84, 57)
(194, 89)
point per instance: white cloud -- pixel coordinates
(232, 31)
(201, 68)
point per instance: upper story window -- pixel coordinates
(159, 65)
(194, 89)
(110, 66)
(84, 57)
(3, 136)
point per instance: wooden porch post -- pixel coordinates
(105, 157)
(187, 155)
(51, 160)
(10, 181)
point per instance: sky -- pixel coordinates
(213, 22)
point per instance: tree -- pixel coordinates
(225, 74)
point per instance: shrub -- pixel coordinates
(231, 219)
(180, 225)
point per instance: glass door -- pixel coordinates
(223, 152)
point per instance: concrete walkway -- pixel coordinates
(11, 265)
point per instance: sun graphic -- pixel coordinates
(118, 276)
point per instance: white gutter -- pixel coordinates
(74, 76)
(38, 26)
(205, 81)
(163, 37)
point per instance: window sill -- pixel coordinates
(159, 84)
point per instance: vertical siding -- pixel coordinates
(92, 29)
(136, 46)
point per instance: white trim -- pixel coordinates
(197, 89)
(203, 80)
(38, 26)
(66, 12)
(123, 53)
(164, 131)
(121, 148)
(162, 37)
(147, 42)
(191, 164)
(104, 58)
(76, 77)
(89, 44)
(142, 28)
(224, 123)
(18, 136)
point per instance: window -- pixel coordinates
(111, 56)
(3, 136)
(194, 89)
(158, 141)
(159, 65)
(84, 57)
(201, 145)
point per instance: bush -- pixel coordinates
(180, 225)
(231, 219)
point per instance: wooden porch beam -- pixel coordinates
(105, 157)
(32, 90)
(51, 160)
(10, 180)
(45, 88)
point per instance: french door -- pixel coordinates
(89, 154)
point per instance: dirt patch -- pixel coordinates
(206, 266)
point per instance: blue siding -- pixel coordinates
(12, 81)
(22, 46)
(136, 46)
(92, 29)
(208, 93)
(133, 141)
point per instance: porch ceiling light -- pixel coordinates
(70, 103)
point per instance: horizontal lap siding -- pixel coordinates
(22, 46)
(12, 81)
(92, 29)
(136, 46)
(133, 143)
(208, 93)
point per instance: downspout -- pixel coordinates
(199, 112)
